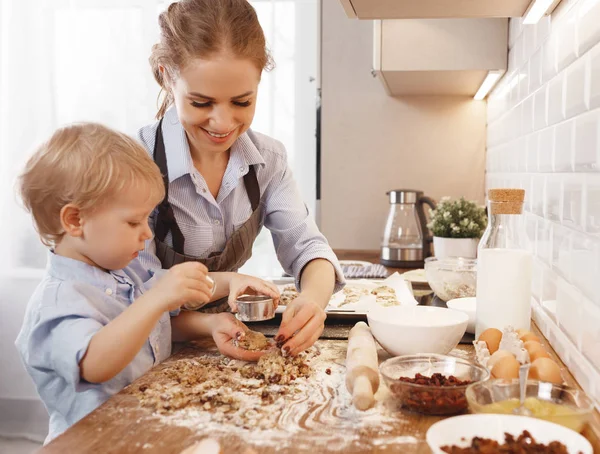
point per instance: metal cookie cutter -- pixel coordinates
(213, 283)
(192, 306)
(254, 308)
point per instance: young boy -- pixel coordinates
(99, 320)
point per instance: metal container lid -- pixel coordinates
(404, 195)
(255, 308)
(253, 298)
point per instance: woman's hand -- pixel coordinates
(225, 327)
(301, 325)
(242, 284)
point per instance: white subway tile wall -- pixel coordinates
(544, 136)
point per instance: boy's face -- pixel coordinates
(114, 233)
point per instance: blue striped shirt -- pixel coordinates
(207, 223)
(71, 304)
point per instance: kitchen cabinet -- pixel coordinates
(438, 56)
(413, 9)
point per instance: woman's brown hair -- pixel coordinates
(202, 28)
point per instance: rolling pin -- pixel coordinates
(362, 371)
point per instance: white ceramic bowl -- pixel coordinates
(408, 330)
(466, 305)
(460, 430)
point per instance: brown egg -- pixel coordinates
(529, 337)
(492, 338)
(507, 367)
(532, 346)
(521, 332)
(497, 357)
(535, 350)
(544, 369)
(538, 354)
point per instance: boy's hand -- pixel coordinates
(242, 284)
(225, 328)
(183, 283)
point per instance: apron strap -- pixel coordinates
(165, 220)
(252, 188)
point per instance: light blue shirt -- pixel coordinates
(73, 302)
(207, 223)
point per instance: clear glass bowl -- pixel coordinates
(573, 407)
(452, 278)
(430, 399)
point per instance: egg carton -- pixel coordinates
(510, 342)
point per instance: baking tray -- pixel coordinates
(347, 315)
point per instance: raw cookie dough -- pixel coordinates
(281, 369)
(253, 341)
(288, 295)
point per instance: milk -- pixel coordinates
(503, 289)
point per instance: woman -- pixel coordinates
(225, 181)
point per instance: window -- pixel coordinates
(65, 61)
(287, 104)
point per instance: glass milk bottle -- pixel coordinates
(504, 265)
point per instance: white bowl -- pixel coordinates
(460, 430)
(408, 330)
(466, 305)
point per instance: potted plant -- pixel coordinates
(457, 226)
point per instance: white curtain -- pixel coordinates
(87, 60)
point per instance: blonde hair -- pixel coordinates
(202, 28)
(84, 164)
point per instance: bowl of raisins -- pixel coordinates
(431, 384)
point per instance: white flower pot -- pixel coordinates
(455, 247)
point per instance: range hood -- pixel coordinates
(422, 9)
(438, 56)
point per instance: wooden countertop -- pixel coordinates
(328, 424)
(122, 425)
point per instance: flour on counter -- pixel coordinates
(213, 395)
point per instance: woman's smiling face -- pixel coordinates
(216, 100)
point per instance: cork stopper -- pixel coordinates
(506, 201)
(506, 195)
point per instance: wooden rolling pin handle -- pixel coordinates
(362, 374)
(362, 393)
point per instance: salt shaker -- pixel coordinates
(504, 265)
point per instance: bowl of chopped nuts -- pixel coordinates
(452, 277)
(431, 384)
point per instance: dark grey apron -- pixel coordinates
(237, 250)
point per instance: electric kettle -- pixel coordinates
(406, 238)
